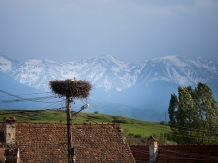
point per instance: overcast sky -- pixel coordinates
(130, 30)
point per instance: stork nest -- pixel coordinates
(71, 88)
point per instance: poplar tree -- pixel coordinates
(194, 115)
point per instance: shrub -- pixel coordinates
(119, 119)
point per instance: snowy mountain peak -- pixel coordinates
(106, 61)
(109, 73)
(5, 64)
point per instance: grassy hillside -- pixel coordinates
(136, 131)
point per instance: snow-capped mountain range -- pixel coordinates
(137, 84)
(107, 72)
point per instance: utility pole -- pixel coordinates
(71, 89)
(69, 129)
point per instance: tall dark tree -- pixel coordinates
(194, 115)
(172, 109)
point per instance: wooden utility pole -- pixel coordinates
(71, 89)
(69, 129)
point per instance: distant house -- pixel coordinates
(47, 143)
(153, 153)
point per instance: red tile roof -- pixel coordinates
(188, 153)
(140, 153)
(93, 143)
(178, 153)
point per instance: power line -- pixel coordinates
(103, 106)
(176, 126)
(192, 156)
(95, 103)
(189, 154)
(114, 109)
(54, 116)
(189, 136)
(29, 94)
(35, 99)
(54, 103)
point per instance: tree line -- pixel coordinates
(193, 115)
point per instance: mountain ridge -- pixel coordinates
(145, 85)
(181, 70)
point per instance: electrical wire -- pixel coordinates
(186, 154)
(92, 101)
(103, 107)
(187, 136)
(44, 109)
(54, 103)
(148, 127)
(181, 135)
(20, 99)
(199, 156)
(28, 94)
(39, 99)
(112, 108)
(55, 115)
(79, 114)
(192, 156)
(193, 129)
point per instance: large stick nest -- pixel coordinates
(71, 88)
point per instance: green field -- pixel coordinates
(136, 131)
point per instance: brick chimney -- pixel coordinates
(153, 149)
(9, 130)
